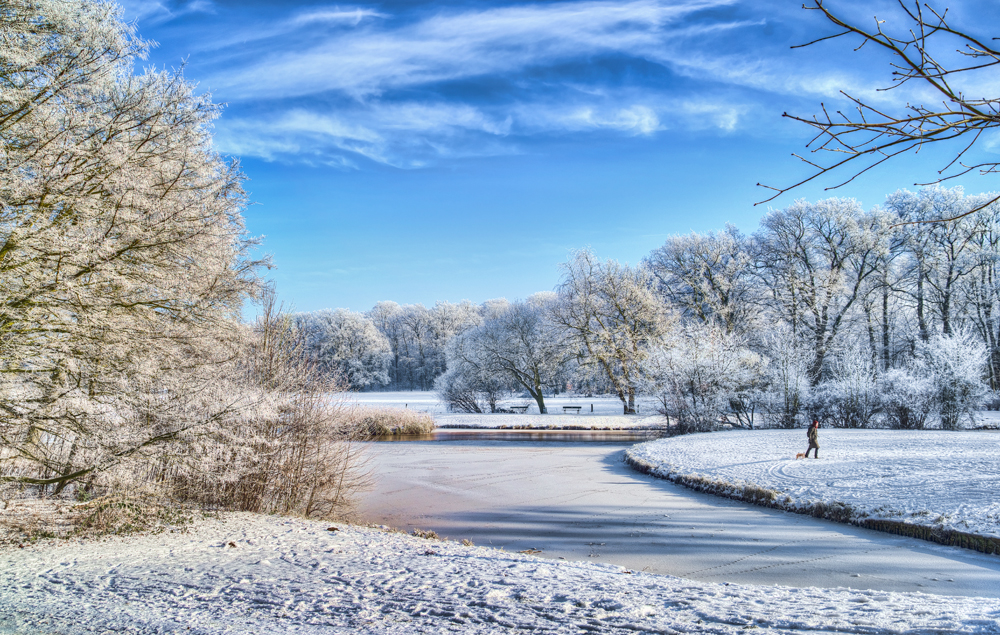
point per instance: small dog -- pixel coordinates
(800, 455)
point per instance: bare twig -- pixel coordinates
(873, 135)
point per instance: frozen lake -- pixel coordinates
(578, 501)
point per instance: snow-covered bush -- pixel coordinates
(954, 365)
(850, 398)
(369, 422)
(291, 451)
(697, 373)
(787, 376)
(907, 398)
(462, 389)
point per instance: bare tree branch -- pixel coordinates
(873, 135)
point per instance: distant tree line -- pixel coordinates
(860, 317)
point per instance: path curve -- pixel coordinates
(580, 502)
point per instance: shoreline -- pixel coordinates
(873, 514)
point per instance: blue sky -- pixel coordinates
(421, 151)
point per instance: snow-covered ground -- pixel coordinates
(424, 401)
(601, 412)
(933, 478)
(258, 574)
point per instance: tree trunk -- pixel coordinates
(885, 327)
(921, 321)
(539, 398)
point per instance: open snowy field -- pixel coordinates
(595, 412)
(259, 574)
(933, 478)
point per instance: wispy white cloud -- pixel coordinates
(158, 11)
(238, 37)
(341, 83)
(405, 135)
(456, 45)
(414, 134)
(632, 119)
(334, 15)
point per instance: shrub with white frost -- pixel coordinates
(907, 398)
(850, 398)
(699, 374)
(954, 366)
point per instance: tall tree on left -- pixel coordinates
(124, 260)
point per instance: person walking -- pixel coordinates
(813, 439)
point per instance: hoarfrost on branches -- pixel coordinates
(347, 344)
(123, 256)
(954, 365)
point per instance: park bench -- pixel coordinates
(519, 409)
(568, 408)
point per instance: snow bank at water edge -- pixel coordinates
(256, 574)
(931, 484)
(597, 412)
(553, 421)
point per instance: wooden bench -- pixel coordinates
(568, 408)
(519, 409)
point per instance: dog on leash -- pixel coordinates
(800, 455)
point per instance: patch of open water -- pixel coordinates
(615, 437)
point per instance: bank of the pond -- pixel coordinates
(529, 421)
(931, 484)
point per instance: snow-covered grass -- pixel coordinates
(258, 574)
(945, 481)
(424, 401)
(601, 412)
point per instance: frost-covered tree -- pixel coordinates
(346, 344)
(387, 318)
(520, 345)
(470, 384)
(981, 291)
(954, 365)
(612, 314)
(816, 259)
(945, 255)
(697, 373)
(418, 336)
(708, 278)
(493, 308)
(123, 255)
(788, 375)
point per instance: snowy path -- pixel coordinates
(263, 575)
(579, 502)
